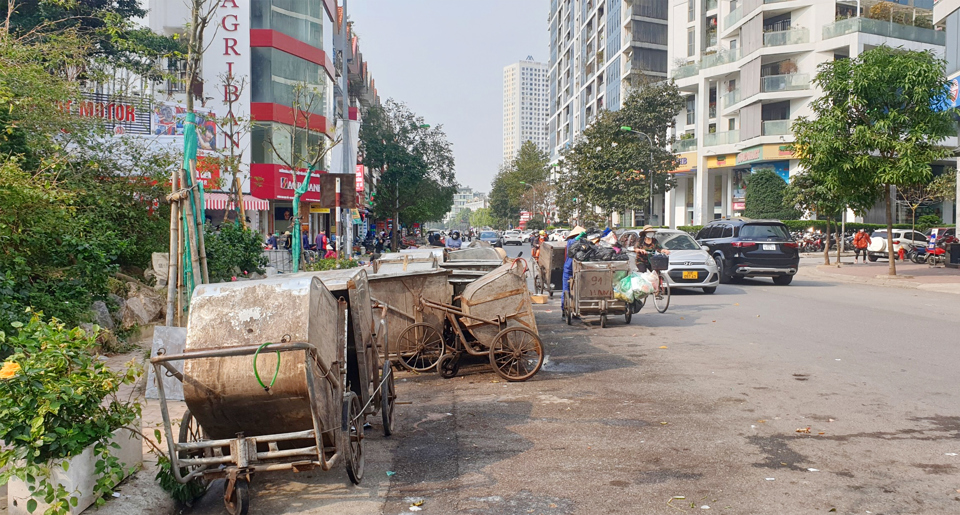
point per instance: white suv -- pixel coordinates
(902, 239)
(512, 237)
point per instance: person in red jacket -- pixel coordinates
(860, 243)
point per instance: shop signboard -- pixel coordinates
(317, 209)
(721, 161)
(932, 244)
(750, 155)
(120, 114)
(686, 162)
(360, 174)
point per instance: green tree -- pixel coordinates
(764, 198)
(234, 250)
(417, 180)
(879, 121)
(942, 187)
(612, 169)
(531, 166)
(481, 218)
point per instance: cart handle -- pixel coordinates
(247, 350)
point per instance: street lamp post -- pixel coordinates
(649, 172)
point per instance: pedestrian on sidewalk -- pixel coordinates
(860, 243)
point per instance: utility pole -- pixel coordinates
(346, 241)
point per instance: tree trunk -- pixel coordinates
(173, 269)
(839, 236)
(890, 254)
(826, 245)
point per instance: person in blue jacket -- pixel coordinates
(568, 265)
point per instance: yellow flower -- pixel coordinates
(9, 370)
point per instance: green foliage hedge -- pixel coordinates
(233, 250)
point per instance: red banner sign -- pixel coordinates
(277, 182)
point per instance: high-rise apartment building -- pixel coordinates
(745, 68)
(525, 106)
(598, 50)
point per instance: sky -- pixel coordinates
(445, 60)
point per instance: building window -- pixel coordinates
(691, 7)
(691, 110)
(691, 42)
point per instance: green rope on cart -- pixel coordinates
(256, 373)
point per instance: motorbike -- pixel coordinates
(938, 254)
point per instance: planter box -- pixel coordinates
(80, 478)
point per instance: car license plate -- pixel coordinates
(691, 275)
(769, 246)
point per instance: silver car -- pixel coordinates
(691, 266)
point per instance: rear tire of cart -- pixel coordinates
(420, 347)
(449, 365)
(239, 501)
(388, 397)
(191, 432)
(351, 428)
(603, 321)
(628, 316)
(516, 354)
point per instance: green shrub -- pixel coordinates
(233, 250)
(322, 265)
(764, 197)
(927, 221)
(56, 399)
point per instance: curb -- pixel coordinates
(903, 282)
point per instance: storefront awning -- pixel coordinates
(219, 201)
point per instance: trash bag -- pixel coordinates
(583, 250)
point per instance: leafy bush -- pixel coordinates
(764, 197)
(56, 399)
(233, 250)
(321, 265)
(927, 221)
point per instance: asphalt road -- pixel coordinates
(758, 399)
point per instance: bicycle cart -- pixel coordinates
(275, 377)
(661, 295)
(396, 287)
(591, 291)
(495, 320)
(548, 269)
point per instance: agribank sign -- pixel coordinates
(226, 64)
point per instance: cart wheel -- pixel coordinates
(516, 353)
(551, 294)
(239, 501)
(190, 431)
(628, 316)
(567, 317)
(420, 347)
(537, 282)
(388, 396)
(661, 299)
(351, 428)
(449, 365)
(603, 321)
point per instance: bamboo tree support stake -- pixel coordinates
(180, 263)
(173, 258)
(201, 222)
(240, 208)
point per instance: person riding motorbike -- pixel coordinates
(454, 242)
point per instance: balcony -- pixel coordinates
(721, 57)
(685, 145)
(687, 70)
(721, 138)
(711, 5)
(786, 37)
(712, 111)
(776, 127)
(884, 28)
(788, 82)
(733, 17)
(730, 98)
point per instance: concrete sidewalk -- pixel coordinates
(909, 275)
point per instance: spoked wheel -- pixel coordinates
(190, 432)
(661, 299)
(388, 397)
(352, 437)
(516, 353)
(238, 502)
(568, 316)
(420, 347)
(449, 365)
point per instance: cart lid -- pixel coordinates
(394, 270)
(475, 254)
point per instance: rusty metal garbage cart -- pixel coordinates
(591, 292)
(470, 264)
(396, 287)
(495, 320)
(267, 378)
(548, 269)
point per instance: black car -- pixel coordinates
(751, 248)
